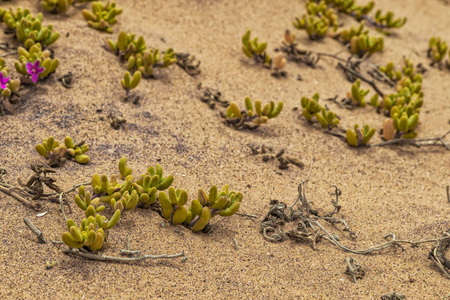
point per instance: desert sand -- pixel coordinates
(397, 189)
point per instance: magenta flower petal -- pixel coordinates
(29, 67)
(3, 80)
(36, 64)
(34, 77)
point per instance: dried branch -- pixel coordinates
(26, 203)
(438, 141)
(36, 231)
(363, 78)
(101, 257)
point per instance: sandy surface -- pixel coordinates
(397, 190)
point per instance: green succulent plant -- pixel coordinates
(358, 137)
(206, 207)
(357, 94)
(318, 19)
(254, 50)
(151, 59)
(327, 119)
(405, 124)
(388, 21)
(126, 45)
(13, 18)
(29, 30)
(56, 6)
(91, 233)
(129, 83)
(51, 149)
(103, 16)
(9, 86)
(35, 53)
(310, 106)
(360, 42)
(437, 50)
(390, 71)
(173, 205)
(77, 151)
(255, 113)
(84, 201)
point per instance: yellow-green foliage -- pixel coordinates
(29, 29)
(357, 94)
(77, 151)
(51, 149)
(91, 233)
(388, 21)
(318, 19)
(35, 53)
(12, 85)
(150, 60)
(205, 207)
(145, 191)
(360, 41)
(310, 106)
(349, 7)
(390, 71)
(254, 50)
(102, 15)
(358, 137)
(127, 45)
(128, 82)
(327, 119)
(56, 6)
(437, 49)
(256, 113)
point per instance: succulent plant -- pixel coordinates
(103, 16)
(255, 113)
(35, 53)
(56, 6)
(84, 202)
(173, 205)
(360, 42)
(91, 233)
(388, 21)
(254, 50)
(437, 50)
(13, 18)
(51, 150)
(57, 154)
(310, 106)
(318, 19)
(126, 45)
(327, 119)
(357, 94)
(206, 207)
(129, 83)
(8, 85)
(358, 137)
(151, 59)
(77, 151)
(390, 72)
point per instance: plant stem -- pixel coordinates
(101, 257)
(416, 142)
(363, 78)
(36, 231)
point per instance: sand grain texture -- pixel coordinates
(397, 190)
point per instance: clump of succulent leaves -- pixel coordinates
(318, 19)
(56, 6)
(138, 57)
(289, 48)
(359, 137)
(35, 63)
(130, 82)
(93, 232)
(57, 154)
(254, 115)
(402, 107)
(103, 15)
(390, 71)
(437, 51)
(28, 29)
(256, 51)
(311, 108)
(382, 23)
(361, 44)
(148, 190)
(357, 95)
(9, 88)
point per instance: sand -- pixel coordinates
(398, 189)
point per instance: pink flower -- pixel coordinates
(34, 70)
(3, 80)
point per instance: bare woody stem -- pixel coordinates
(363, 78)
(25, 202)
(36, 231)
(417, 142)
(106, 258)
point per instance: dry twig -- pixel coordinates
(36, 231)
